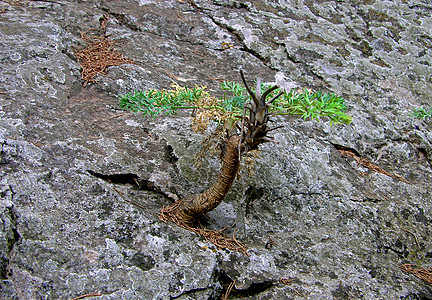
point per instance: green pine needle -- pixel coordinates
(422, 113)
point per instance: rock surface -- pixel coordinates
(339, 229)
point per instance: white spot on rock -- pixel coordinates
(132, 123)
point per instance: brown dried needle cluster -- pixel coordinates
(205, 113)
(98, 55)
(424, 274)
(216, 237)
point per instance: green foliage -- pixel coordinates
(153, 102)
(236, 101)
(312, 105)
(233, 87)
(231, 106)
(422, 113)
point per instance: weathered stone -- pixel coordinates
(308, 213)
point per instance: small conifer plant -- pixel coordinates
(243, 116)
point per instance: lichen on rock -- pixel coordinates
(338, 228)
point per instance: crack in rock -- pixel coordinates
(135, 180)
(9, 238)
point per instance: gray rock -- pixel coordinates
(309, 213)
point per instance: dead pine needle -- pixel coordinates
(98, 55)
(287, 281)
(424, 274)
(94, 294)
(228, 291)
(216, 237)
(13, 3)
(122, 195)
(117, 116)
(414, 235)
(367, 164)
(298, 293)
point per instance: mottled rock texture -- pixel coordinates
(308, 213)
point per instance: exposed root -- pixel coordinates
(216, 237)
(424, 274)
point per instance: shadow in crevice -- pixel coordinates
(253, 290)
(135, 180)
(125, 178)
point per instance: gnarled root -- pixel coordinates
(186, 211)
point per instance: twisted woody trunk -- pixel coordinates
(252, 133)
(196, 205)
